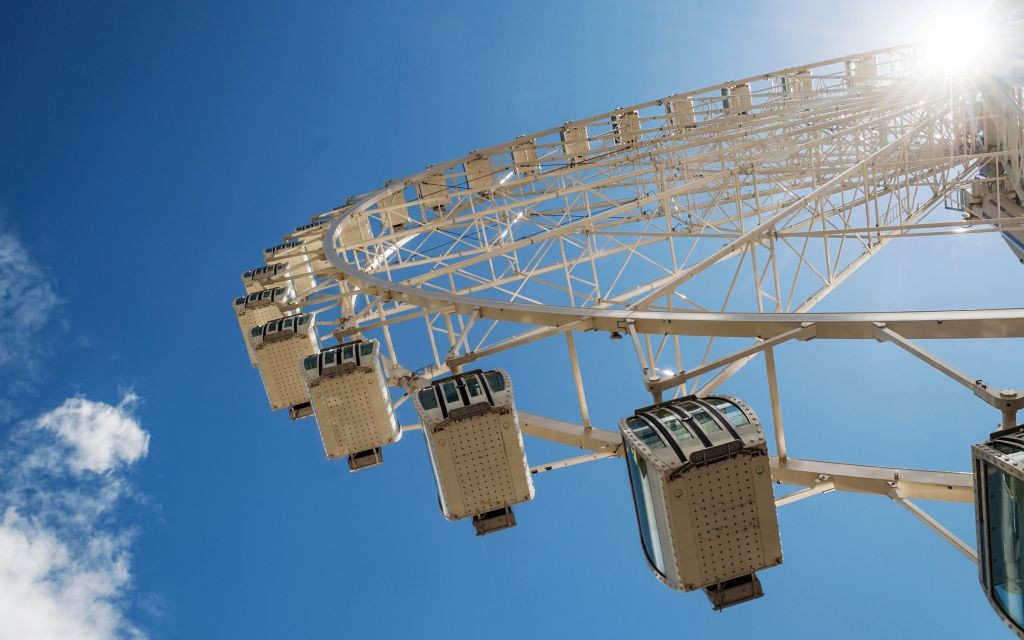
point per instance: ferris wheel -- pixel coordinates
(701, 229)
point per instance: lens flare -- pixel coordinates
(956, 40)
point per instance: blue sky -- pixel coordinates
(151, 150)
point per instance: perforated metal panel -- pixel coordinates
(253, 318)
(397, 213)
(320, 264)
(356, 230)
(479, 174)
(353, 413)
(263, 315)
(574, 141)
(626, 127)
(280, 367)
(254, 286)
(301, 276)
(524, 155)
(246, 324)
(727, 527)
(680, 112)
(480, 464)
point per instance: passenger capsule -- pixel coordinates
(626, 127)
(698, 469)
(300, 272)
(351, 402)
(999, 504)
(310, 238)
(283, 251)
(260, 308)
(476, 448)
(524, 156)
(297, 258)
(310, 226)
(264, 277)
(393, 210)
(280, 347)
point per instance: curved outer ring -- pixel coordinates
(983, 323)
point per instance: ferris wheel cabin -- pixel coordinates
(698, 469)
(311, 237)
(999, 503)
(308, 234)
(281, 346)
(281, 252)
(265, 277)
(476, 448)
(351, 402)
(294, 255)
(260, 308)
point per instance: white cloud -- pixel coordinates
(49, 589)
(100, 437)
(28, 302)
(64, 560)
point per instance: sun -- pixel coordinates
(956, 40)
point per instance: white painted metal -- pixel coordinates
(259, 308)
(476, 447)
(723, 212)
(280, 347)
(934, 524)
(825, 485)
(260, 278)
(350, 399)
(702, 489)
(554, 246)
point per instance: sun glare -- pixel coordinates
(955, 41)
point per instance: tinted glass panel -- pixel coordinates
(706, 423)
(1006, 447)
(473, 387)
(349, 353)
(673, 422)
(309, 362)
(451, 394)
(329, 357)
(646, 433)
(428, 399)
(732, 412)
(1005, 499)
(495, 381)
(366, 348)
(650, 538)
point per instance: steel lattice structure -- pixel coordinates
(783, 201)
(703, 228)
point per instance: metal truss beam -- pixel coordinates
(1007, 401)
(896, 493)
(804, 332)
(948, 486)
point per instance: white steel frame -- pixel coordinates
(679, 236)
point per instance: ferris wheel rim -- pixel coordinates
(984, 323)
(394, 184)
(949, 323)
